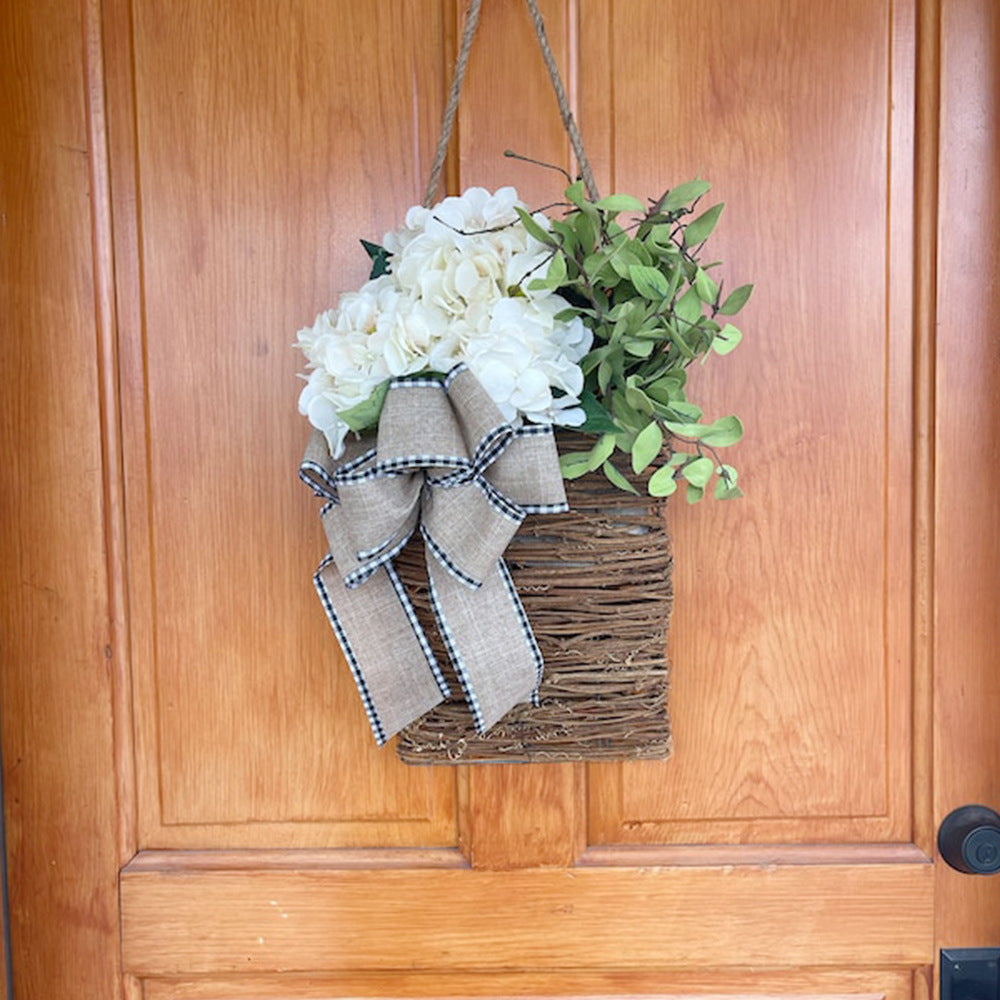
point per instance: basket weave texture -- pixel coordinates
(596, 584)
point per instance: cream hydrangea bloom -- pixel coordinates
(457, 292)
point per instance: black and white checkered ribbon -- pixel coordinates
(445, 463)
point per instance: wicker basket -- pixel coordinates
(596, 584)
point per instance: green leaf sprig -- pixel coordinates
(653, 307)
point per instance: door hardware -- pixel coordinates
(969, 840)
(969, 973)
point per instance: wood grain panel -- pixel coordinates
(812, 984)
(967, 628)
(257, 175)
(791, 638)
(218, 922)
(524, 816)
(56, 682)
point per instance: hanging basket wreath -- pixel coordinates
(434, 391)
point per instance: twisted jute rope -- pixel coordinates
(454, 94)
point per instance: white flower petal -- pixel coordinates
(496, 378)
(574, 416)
(532, 391)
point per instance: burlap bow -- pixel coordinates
(447, 462)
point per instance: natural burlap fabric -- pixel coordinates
(445, 461)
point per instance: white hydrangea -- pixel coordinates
(521, 357)
(457, 293)
(345, 355)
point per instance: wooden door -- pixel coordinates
(195, 806)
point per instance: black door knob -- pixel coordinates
(969, 840)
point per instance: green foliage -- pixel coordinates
(646, 446)
(379, 258)
(617, 479)
(365, 415)
(633, 272)
(598, 419)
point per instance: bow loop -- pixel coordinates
(418, 430)
(466, 530)
(374, 513)
(483, 427)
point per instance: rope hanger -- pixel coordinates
(448, 120)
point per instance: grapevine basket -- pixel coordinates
(596, 585)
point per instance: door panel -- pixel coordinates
(249, 733)
(816, 984)
(792, 700)
(188, 916)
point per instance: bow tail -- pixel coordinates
(489, 640)
(391, 661)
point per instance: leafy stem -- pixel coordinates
(652, 308)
